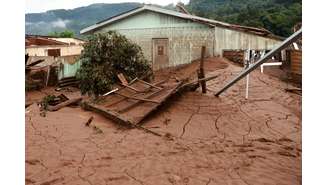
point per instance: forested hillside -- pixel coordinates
(74, 19)
(278, 16)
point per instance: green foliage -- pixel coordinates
(278, 16)
(63, 34)
(104, 56)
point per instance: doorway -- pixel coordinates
(160, 53)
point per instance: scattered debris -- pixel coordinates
(130, 107)
(70, 81)
(294, 90)
(97, 129)
(89, 121)
(264, 140)
(167, 121)
(64, 104)
(169, 136)
(285, 153)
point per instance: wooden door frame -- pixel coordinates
(152, 49)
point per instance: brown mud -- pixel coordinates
(207, 140)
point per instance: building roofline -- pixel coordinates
(47, 36)
(252, 30)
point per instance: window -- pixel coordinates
(54, 52)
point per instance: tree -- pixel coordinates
(104, 56)
(63, 34)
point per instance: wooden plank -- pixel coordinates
(48, 75)
(118, 118)
(35, 63)
(169, 94)
(136, 98)
(121, 119)
(132, 88)
(124, 98)
(137, 102)
(122, 78)
(114, 90)
(198, 80)
(151, 85)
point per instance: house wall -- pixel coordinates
(232, 39)
(64, 50)
(185, 37)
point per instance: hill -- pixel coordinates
(278, 16)
(74, 19)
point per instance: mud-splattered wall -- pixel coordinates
(184, 43)
(185, 37)
(231, 39)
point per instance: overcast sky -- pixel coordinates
(36, 6)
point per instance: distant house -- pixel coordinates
(37, 45)
(170, 38)
(62, 53)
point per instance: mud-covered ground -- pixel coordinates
(207, 140)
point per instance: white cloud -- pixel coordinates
(59, 23)
(34, 6)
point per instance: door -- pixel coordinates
(160, 53)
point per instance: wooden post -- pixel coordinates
(201, 74)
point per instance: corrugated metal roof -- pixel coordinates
(210, 22)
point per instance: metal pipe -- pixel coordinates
(266, 57)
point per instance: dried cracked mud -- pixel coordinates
(207, 140)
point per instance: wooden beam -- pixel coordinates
(136, 98)
(122, 78)
(124, 98)
(169, 94)
(132, 88)
(199, 80)
(201, 73)
(118, 118)
(137, 102)
(151, 85)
